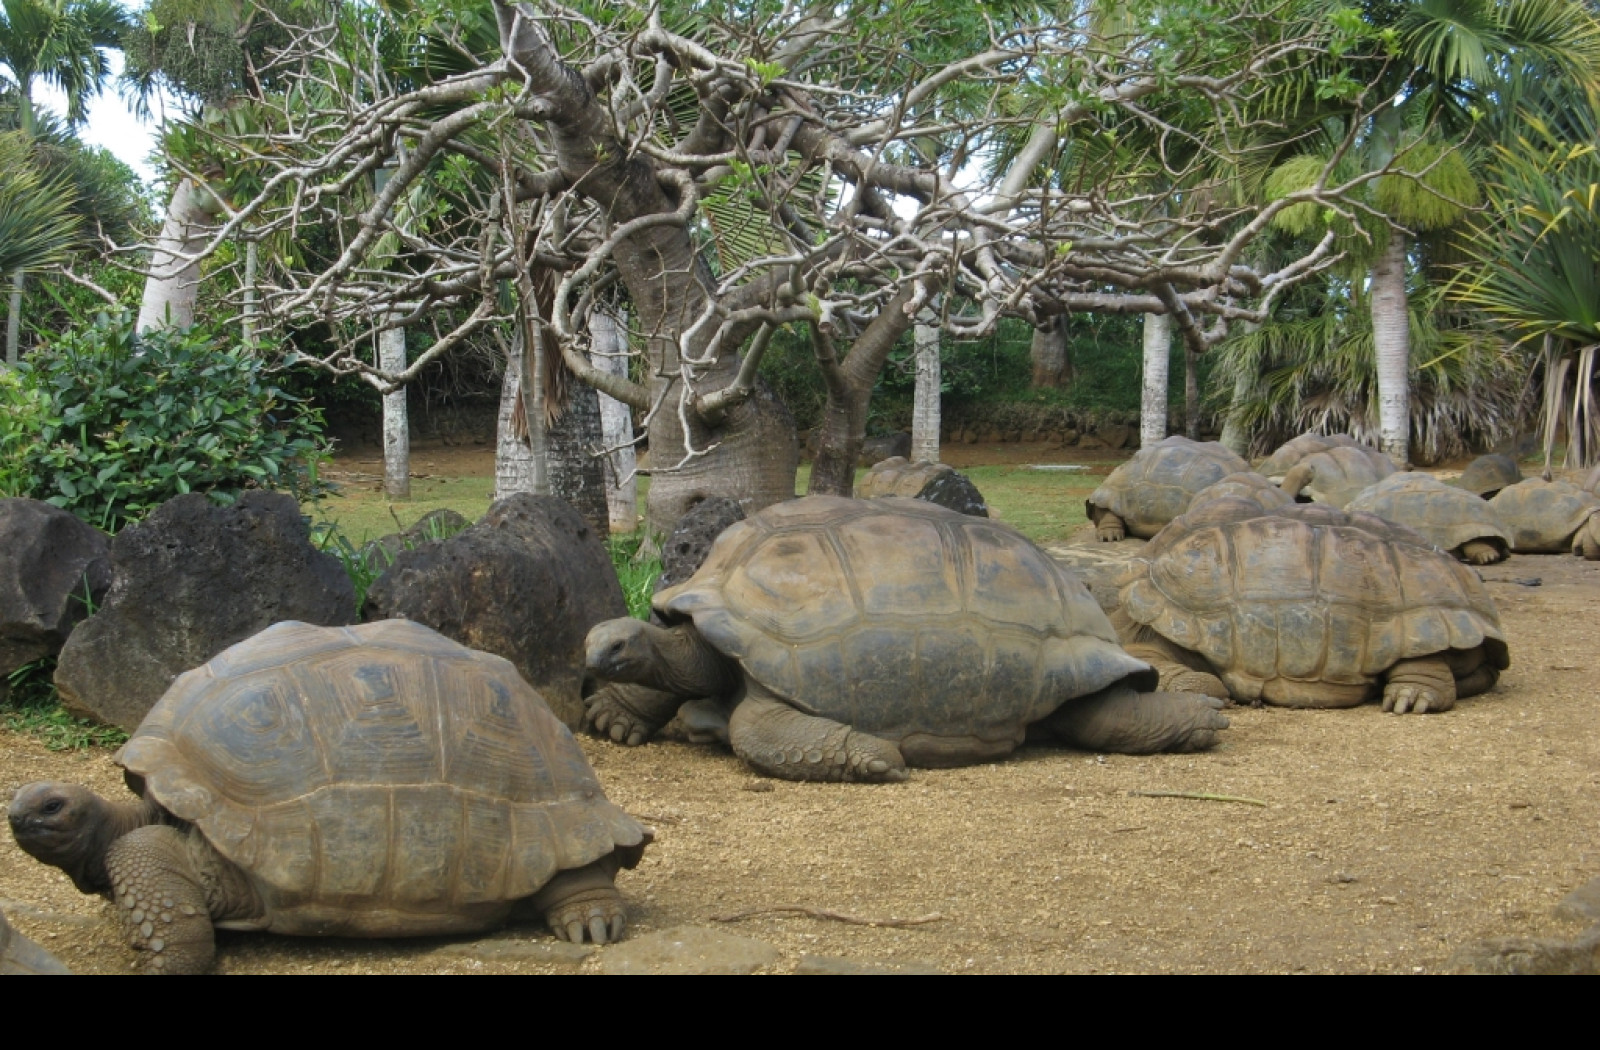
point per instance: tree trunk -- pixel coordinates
(1191, 393)
(607, 345)
(577, 475)
(396, 423)
(1052, 364)
(1391, 340)
(1157, 356)
(514, 467)
(173, 284)
(849, 385)
(247, 322)
(1234, 436)
(14, 320)
(925, 410)
(749, 453)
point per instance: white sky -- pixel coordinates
(111, 123)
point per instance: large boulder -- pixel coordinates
(691, 538)
(526, 583)
(53, 568)
(187, 582)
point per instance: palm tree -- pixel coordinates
(61, 43)
(37, 227)
(1535, 258)
(1439, 63)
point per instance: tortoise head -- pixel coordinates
(1298, 478)
(620, 650)
(61, 824)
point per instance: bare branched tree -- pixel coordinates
(825, 168)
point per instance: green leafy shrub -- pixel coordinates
(637, 573)
(109, 426)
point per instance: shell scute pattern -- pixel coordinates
(1541, 516)
(977, 634)
(1297, 448)
(388, 770)
(1444, 515)
(1306, 593)
(1157, 484)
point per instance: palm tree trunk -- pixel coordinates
(1234, 436)
(396, 423)
(173, 285)
(514, 467)
(1191, 393)
(14, 320)
(925, 410)
(576, 474)
(1157, 354)
(1391, 340)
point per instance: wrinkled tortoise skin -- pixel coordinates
(1157, 484)
(378, 780)
(1306, 593)
(979, 635)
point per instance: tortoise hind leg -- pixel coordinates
(1419, 686)
(160, 900)
(1128, 722)
(583, 901)
(782, 742)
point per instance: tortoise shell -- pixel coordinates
(898, 476)
(376, 780)
(1487, 475)
(1307, 593)
(1444, 515)
(1157, 484)
(1244, 485)
(1338, 475)
(900, 617)
(19, 955)
(1275, 466)
(1542, 516)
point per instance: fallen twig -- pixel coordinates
(1200, 795)
(823, 913)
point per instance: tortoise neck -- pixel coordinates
(115, 819)
(687, 665)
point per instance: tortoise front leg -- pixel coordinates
(1419, 686)
(630, 714)
(584, 901)
(1122, 720)
(782, 742)
(160, 900)
(1480, 552)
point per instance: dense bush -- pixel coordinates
(109, 426)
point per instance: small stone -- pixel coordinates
(1519, 955)
(759, 785)
(1582, 904)
(825, 965)
(688, 950)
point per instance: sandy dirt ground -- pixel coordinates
(1384, 843)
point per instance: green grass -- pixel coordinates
(32, 706)
(637, 575)
(361, 512)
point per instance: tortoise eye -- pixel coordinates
(52, 807)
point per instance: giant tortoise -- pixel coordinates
(857, 637)
(1155, 486)
(1546, 517)
(1450, 518)
(1487, 475)
(1308, 606)
(1337, 475)
(1275, 466)
(370, 781)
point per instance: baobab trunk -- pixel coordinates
(173, 285)
(608, 347)
(516, 467)
(925, 418)
(1157, 354)
(1391, 341)
(1052, 365)
(1191, 393)
(576, 473)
